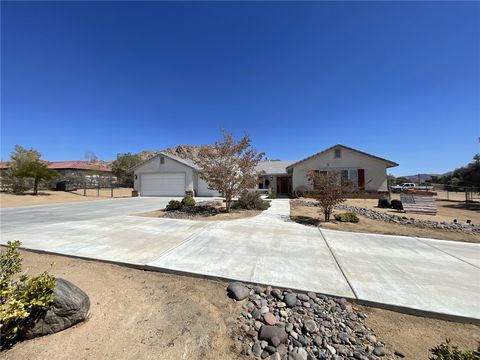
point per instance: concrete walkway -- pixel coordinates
(418, 275)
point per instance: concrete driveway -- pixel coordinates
(428, 276)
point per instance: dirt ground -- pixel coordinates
(447, 210)
(138, 314)
(415, 335)
(310, 215)
(232, 215)
(51, 197)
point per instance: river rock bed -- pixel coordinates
(405, 220)
(397, 219)
(280, 324)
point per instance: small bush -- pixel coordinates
(251, 200)
(396, 204)
(188, 201)
(273, 194)
(347, 217)
(447, 351)
(383, 203)
(174, 205)
(20, 296)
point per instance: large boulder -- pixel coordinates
(69, 307)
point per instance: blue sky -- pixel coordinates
(398, 80)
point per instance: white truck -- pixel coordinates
(407, 186)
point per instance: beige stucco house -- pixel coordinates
(167, 175)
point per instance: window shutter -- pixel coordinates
(361, 179)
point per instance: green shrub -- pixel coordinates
(447, 351)
(20, 296)
(251, 200)
(188, 201)
(347, 217)
(174, 205)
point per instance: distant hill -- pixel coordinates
(182, 151)
(423, 177)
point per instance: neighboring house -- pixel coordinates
(76, 172)
(168, 175)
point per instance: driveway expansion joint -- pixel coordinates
(446, 252)
(338, 264)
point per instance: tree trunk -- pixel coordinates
(35, 187)
(228, 202)
(327, 212)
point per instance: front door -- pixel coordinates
(282, 185)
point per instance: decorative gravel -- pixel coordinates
(285, 325)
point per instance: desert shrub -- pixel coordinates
(188, 201)
(251, 200)
(347, 217)
(447, 351)
(396, 204)
(174, 205)
(273, 194)
(20, 296)
(383, 203)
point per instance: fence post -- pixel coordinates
(111, 190)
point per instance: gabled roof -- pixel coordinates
(186, 162)
(274, 166)
(389, 162)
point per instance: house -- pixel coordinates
(168, 175)
(75, 173)
(367, 172)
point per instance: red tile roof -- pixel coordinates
(76, 165)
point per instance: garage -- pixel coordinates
(162, 184)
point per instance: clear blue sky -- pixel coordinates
(399, 80)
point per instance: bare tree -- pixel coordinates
(91, 157)
(329, 190)
(229, 166)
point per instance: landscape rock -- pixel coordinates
(238, 291)
(70, 306)
(267, 332)
(269, 318)
(290, 299)
(328, 328)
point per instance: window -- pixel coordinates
(338, 153)
(162, 160)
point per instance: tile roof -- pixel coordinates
(76, 165)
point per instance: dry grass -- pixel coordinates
(138, 314)
(310, 215)
(52, 197)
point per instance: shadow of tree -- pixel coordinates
(460, 205)
(305, 220)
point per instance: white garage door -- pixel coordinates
(162, 184)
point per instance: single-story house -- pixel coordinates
(168, 175)
(76, 173)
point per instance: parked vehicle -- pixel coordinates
(408, 186)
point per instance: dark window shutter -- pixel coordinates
(361, 179)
